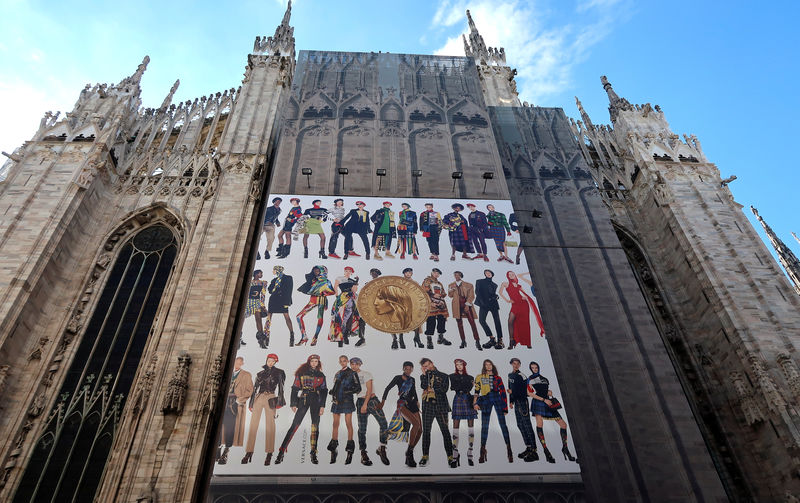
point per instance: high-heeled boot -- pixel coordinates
(279, 458)
(305, 252)
(248, 457)
(269, 458)
(470, 462)
(410, 458)
(549, 457)
(509, 453)
(333, 446)
(567, 455)
(224, 458)
(430, 342)
(417, 341)
(402, 342)
(313, 456)
(350, 448)
(291, 339)
(482, 458)
(322, 254)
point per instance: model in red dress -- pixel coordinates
(519, 327)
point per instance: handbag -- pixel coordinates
(554, 403)
(276, 402)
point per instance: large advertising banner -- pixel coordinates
(389, 337)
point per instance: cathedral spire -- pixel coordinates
(136, 78)
(171, 93)
(282, 42)
(788, 259)
(795, 237)
(467, 50)
(615, 103)
(472, 27)
(584, 115)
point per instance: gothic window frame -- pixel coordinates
(121, 245)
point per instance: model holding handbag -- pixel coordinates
(545, 406)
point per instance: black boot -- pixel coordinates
(430, 342)
(442, 341)
(350, 448)
(266, 254)
(532, 455)
(410, 458)
(279, 459)
(478, 345)
(382, 454)
(360, 341)
(549, 457)
(305, 252)
(279, 251)
(402, 343)
(313, 456)
(492, 343)
(417, 341)
(269, 458)
(499, 344)
(291, 339)
(394, 341)
(567, 455)
(464, 344)
(333, 446)
(224, 458)
(219, 453)
(248, 457)
(365, 458)
(322, 254)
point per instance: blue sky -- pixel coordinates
(726, 72)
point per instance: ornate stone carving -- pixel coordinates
(791, 372)
(175, 396)
(3, 376)
(752, 413)
(144, 387)
(212, 387)
(769, 391)
(37, 406)
(37, 353)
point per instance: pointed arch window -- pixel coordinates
(69, 458)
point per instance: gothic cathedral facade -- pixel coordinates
(128, 236)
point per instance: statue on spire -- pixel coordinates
(584, 115)
(615, 102)
(787, 259)
(282, 42)
(476, 47)
(795, 237)
(170, 95)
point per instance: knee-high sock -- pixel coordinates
(564, 437)
(455, 438)
(471, 436)
(540, 434)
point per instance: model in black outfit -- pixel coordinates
(280, 298)
(486, 300)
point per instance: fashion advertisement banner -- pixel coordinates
(390, 337)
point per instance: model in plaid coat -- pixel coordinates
(491, 394)
(459, 232)
(434, 386)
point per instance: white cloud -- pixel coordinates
(27, 104)
(543, 50)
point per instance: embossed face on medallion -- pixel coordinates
(393, 304)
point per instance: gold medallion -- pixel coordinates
(393, 304)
